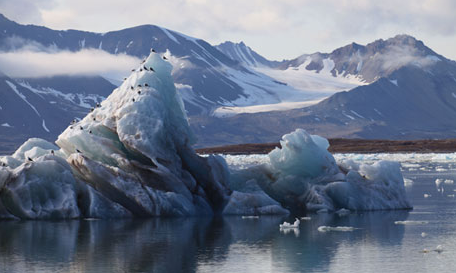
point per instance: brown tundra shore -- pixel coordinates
(339, 145)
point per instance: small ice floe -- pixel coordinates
(440, 169)
(411, 222)
(327, 228)
(343, 212)
(427, 195)
(91, 219)
(439, 249)
(448, 181)
(408, 182)
(306, 218)
(450, 195)
(423, 234)
(439, 184)
(250, 217)
(287, 225)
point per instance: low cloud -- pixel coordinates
(398, 56)
(31, 61)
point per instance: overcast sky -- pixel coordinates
(277, 29)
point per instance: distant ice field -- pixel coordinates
(440, 162)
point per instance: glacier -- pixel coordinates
(132, 156)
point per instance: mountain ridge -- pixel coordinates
(224, 93)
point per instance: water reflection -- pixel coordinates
(187, 244)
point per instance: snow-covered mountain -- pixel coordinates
(245, 55)
(408, 92)
(205, 77)
(234, 95)
(44, 107)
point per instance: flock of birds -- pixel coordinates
(98, 105)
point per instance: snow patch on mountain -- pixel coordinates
(24, 98)
(228, 111)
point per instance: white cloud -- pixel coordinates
(284, 28)
(27, 62)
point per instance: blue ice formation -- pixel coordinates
(133, 157)
(304, 176)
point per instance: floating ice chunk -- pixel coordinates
(423, 234)
(439, 184)
(287, 225)
(427, 195)
(448, 181)
(341, 228)
(304, 155)
(343, 212)
(43, 189)
(131, 156)
(250, 217)
(409, 222)
(440, 169)
(306, 218)
(439, 249)
(450, 195)
(408, 182)
(394, 82)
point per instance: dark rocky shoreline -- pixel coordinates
(340, 145)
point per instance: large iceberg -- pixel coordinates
(132, 156)
(303, 176)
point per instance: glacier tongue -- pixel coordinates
(131, 156)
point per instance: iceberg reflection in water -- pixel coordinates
(183, 244)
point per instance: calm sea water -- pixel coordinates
(233, 244)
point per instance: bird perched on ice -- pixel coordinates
(146, 84)
(164, 58)
(152, 50)
(79, 152)
(52, 152)
(439, 249)
(29, 159)
(151, 69)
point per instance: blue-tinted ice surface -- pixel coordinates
(304, 176)
(132, 157)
